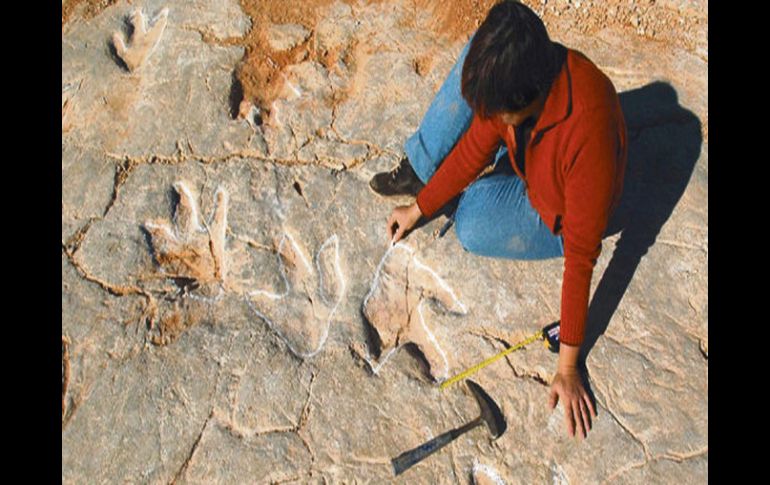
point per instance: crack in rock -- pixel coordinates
(65, 377)
(682, 457)
(286, 480)
(623, 470)
(122, 172)
(72, 245)
(183, 469)
(534, 376)
(149, 311)
(180, 158)
(241, 432)
(666, 456)
(298, 428)
(528, 375)
(626, 429)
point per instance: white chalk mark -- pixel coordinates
(297, 92)
(268, 294)
(559, 478)
(488, 471)
(282, 267)
(67, 87)
(378, 271)
(288, 83)
(160, 227)
(432, 338)
(337, 267)
(282, 270)
(183, 191)
(274, 113)
(375, 367)
(297, 251)
(186, 220)
(444, 285)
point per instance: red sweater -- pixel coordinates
(574, 163)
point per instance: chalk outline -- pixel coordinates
(557, 473)
(222, 197)
(488, 471)
(375, 368)
(432, 338)
(443, 284)
(273, 296)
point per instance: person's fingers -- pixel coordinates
(575, 408)
(590, 403)
(584, 416)
(399, 234)
(553, 399)
(569, 419)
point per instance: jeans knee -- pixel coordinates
(465, 234)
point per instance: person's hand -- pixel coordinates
(567, 386)
(404, 218)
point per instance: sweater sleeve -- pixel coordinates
(589, 188)
(461, 167)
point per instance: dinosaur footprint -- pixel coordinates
(188, 250)
(395, 307)
(301, 313)
(143, 41)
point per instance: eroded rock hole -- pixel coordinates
(298, 188)
(236, 96)
(373, 339)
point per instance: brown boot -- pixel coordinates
(400, 181)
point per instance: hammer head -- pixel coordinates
(490, 411)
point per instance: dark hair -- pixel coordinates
(511, 60)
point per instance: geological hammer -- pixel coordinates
(490, 414)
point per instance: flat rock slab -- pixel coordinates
(265, 331)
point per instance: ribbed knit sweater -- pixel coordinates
(574, 162)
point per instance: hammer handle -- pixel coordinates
(407, 459)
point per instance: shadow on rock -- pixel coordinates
(664, 143)
(235, 97)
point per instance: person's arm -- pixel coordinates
(589, 189)
(588, 193)
(464, 163)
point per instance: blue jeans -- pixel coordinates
(494, 216)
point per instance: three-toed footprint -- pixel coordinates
(193, 253)
(302, 310)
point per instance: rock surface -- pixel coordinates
(226, 284)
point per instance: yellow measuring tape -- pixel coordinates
(463, 375)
